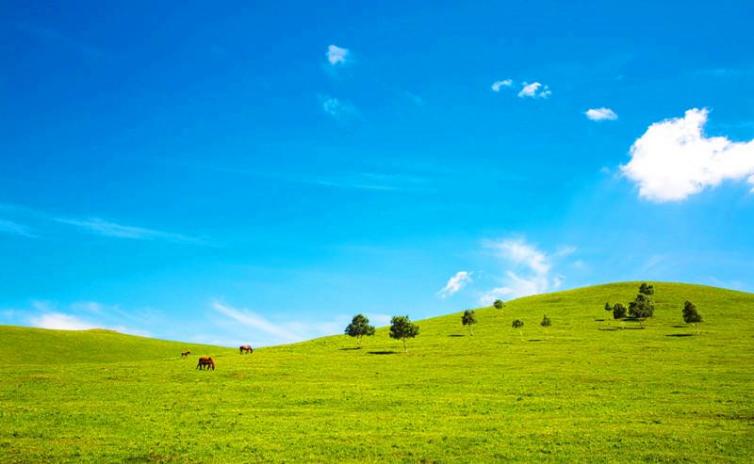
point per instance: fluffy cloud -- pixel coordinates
(673, 159)
(455, 284)
(497, 85)
(601, 114)
(336, 55)
(532, 274)
(534, 90)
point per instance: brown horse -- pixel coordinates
(245, 349)
(184, 354)
(206, 362)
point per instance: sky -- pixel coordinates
(259, 172)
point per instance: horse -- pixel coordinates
(245, 349)
(206, 362)
(184, 354)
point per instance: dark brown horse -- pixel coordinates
(206, 362)
(245, 349)
(184, 354)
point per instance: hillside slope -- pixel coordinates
(583, 390)
(25, 345)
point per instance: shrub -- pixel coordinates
(619, 311)
(691, 314)
(498, 304)
(546, 322)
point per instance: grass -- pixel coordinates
(581, 390)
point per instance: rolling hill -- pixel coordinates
(582, 390)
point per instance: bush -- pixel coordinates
(690, 313)
(619, 311)
(498, 304)
(546, 322)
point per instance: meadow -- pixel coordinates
(582, 390)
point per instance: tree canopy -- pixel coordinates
(359, 327)
(468, 319)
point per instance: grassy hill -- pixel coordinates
(24, 345)
(581, 390)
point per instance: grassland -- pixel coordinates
(580, 391)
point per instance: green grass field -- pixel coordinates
(582, 390)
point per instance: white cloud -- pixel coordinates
(455, 284)
(112, 229)
(336, 55)
(534, 90)
(60, 321)
(673, 159)
(255, 321)
(533, 269)
(497, 85)
(601, 114)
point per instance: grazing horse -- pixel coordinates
(184, 354)
(206, 362)
(245, 349)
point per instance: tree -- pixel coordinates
(691, 315)
(401, 328)
(498, 304)
(646, 289)
(619, 311)
(608, 308)
(519, 324)
(642, 307)
(546, 322)
(359, 327)
(469, 319)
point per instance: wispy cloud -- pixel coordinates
(373, 181)
(111, 229)
(14, 228)
(601, 114)
(674, 159)
(455, 284)
(261, 330)
(531, 273)
(534, 90)
(337, 55)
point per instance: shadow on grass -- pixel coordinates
(609, 329)
(383, 352)
(350, 349)
(599, 320)
(679, 335)
(535, 339)
(456, 335)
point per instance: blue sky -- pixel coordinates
(260, 172)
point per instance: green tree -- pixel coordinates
(401, 328)
(498, 304)
(359, 327)
(619, 313)
(641, 308)
(546, 322)
(691, 314)
(469, 319)
(646, 289)
(518, 324)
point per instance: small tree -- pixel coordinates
(359, 327)
(609, 309)
(469, 319)
(646, 289)
(401, 328)
(619, 312)
(498, 304)
(519, 324)
(546, 322)
(642, 307)
(691, 315)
